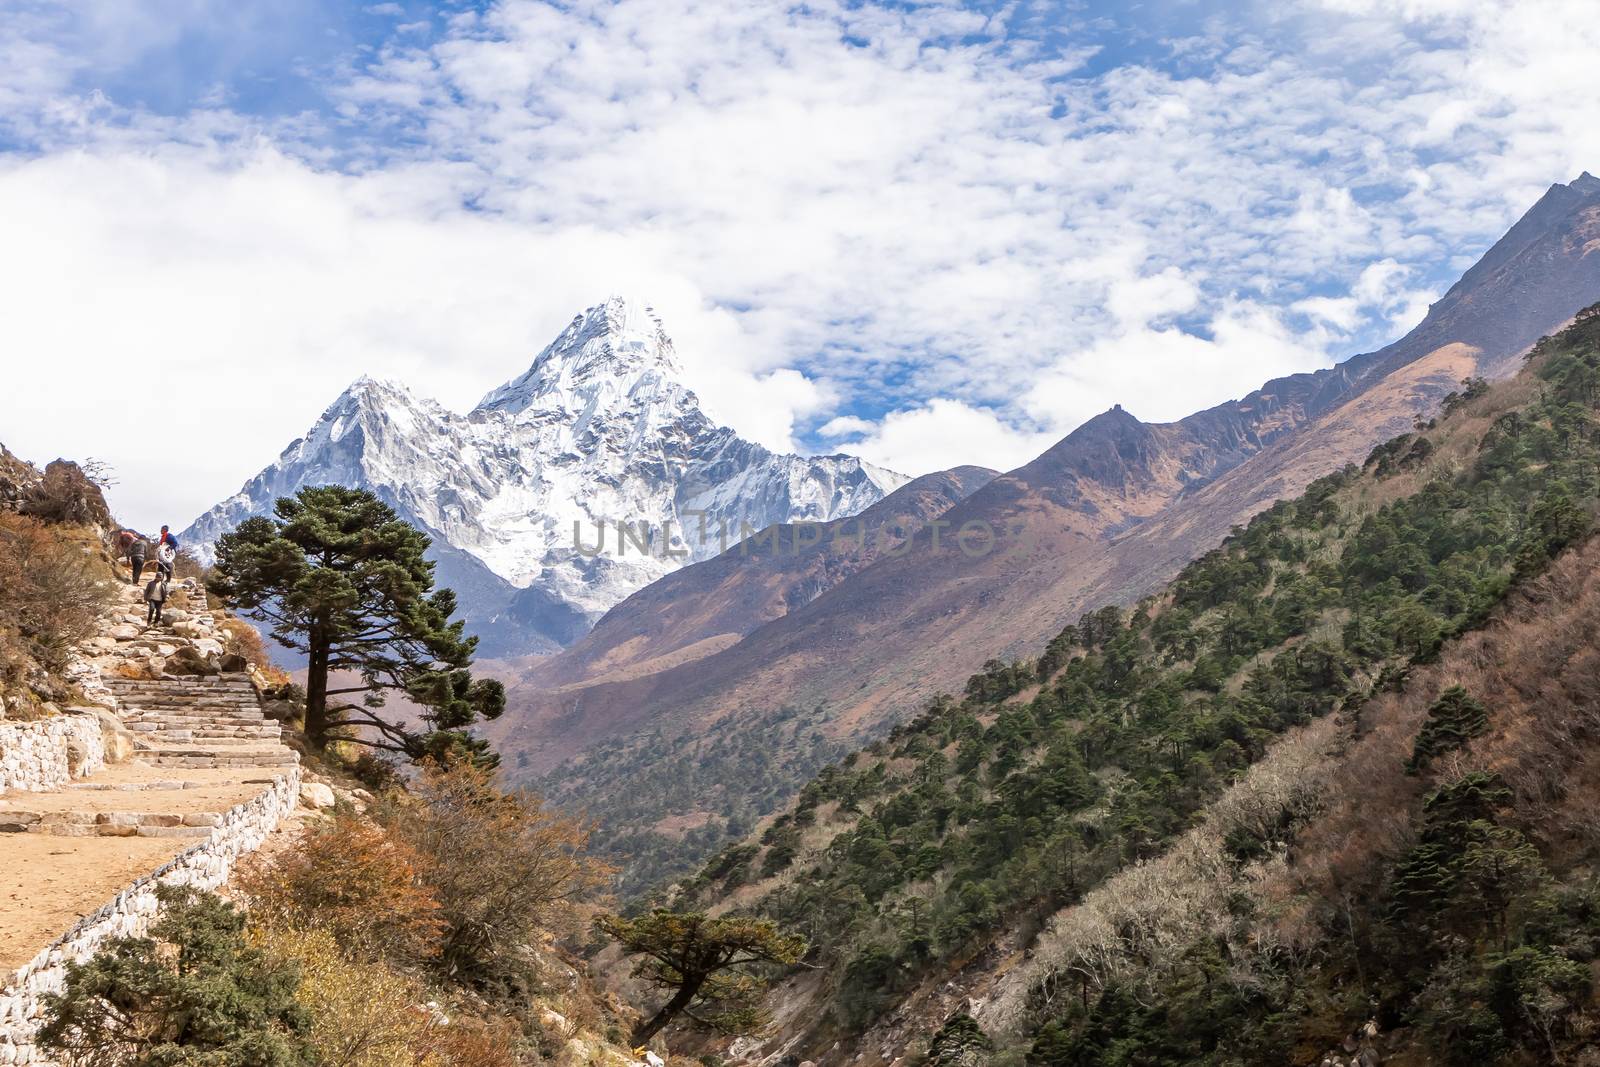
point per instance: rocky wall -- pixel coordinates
(132, 911)
(45, 754)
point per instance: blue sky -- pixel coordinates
(930, 233)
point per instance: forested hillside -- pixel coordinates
(1339, 774)
(1107, 515)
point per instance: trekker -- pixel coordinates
(166, 551)
(166, 556)
(155, 595)
(136, 559)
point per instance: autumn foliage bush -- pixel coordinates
(54, 592)
(503, 868)
(241, 639)
(438, 898)
(354, 883)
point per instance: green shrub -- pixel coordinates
(193, 994)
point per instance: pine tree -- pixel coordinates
(341, 578)
(705, 962)
(1453, 720)
(960, 1042)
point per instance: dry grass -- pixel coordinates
(55, 590)
(350, 880)
(362, 1014)
(137, 671)
(1536, 669)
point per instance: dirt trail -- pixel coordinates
(200, 748)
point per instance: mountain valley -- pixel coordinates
(690, 749)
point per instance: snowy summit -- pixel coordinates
(601, 429)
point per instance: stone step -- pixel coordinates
(198, 711)
(161, 784)
(145, 742)
(203, 747)
(194, 712)
(206, 729)
(175, 687)
(184, 683)
(198, 700)
(188, 701)
(191, 710)
(231, 715)
(220, 727)
(196, 707)
(181, 685)
(228, 678)
(176, 755)
(109, 823)
(186, 696)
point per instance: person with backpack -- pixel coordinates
(166, 556)
(155, 596)
(135, 553)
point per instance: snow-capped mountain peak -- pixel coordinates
(618, 347)
(601, 430)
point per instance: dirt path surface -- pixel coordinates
(48, 883)
(200, 748)
(213, 798)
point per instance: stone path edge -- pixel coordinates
(131, 912)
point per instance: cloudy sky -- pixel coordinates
(927, 232)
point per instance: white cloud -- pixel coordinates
(186, 317)
(1160, 375)
(845, 426)
(832, 206)
(1379, 293)
(1137, 301)
(940, 434)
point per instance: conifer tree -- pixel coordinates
(705, 962)
(960, 1042)
(194, 992)
(340, 577)
(1453, 720)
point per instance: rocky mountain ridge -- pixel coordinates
(1314, 801)
(586, 478)
(1108, 514)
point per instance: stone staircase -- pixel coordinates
(168, 773)
(195, 740)
(205, 721)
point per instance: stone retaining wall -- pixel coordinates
(47, 753)
(131, 913)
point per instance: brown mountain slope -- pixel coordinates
(1109, 512)
(702, 608)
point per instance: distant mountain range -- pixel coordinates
(1106, 515)
(718, 676)
(523, 495)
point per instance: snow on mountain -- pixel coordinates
(523, 495)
